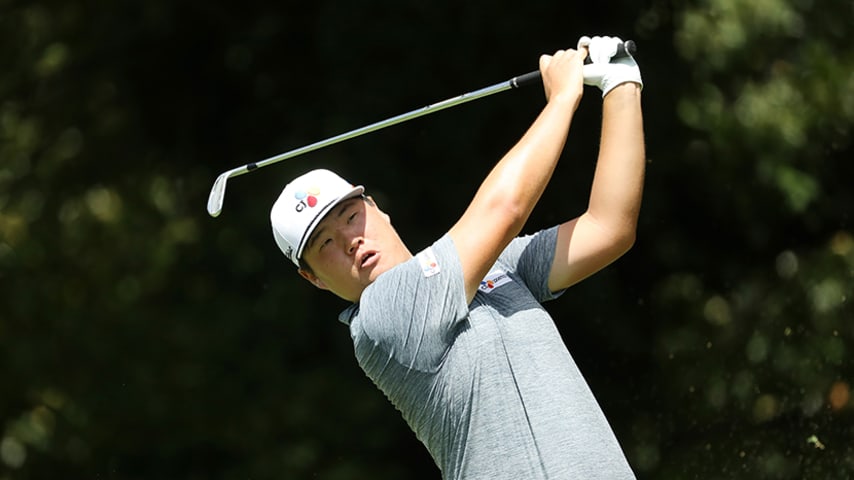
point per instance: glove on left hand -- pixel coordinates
(605, 71)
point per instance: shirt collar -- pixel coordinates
(347, 315)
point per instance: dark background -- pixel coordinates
(142, 339)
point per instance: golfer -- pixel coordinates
(455, 335)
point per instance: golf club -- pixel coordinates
(217, 195)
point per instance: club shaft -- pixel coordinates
(215, 199)
(515, 82)
(532, 77)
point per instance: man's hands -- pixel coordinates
(563, 75)
(605, 72)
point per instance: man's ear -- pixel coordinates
(313, 279)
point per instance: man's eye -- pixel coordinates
(325, 243)
(349, 220)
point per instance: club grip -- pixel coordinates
(624, 49)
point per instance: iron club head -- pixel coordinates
(217, 195)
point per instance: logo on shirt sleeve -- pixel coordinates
(493, 280)
(427, 261)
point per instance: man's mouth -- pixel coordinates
(368, 259)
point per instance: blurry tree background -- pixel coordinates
(142, 339)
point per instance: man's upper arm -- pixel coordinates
(583, 247)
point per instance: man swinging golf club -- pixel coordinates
(455, 335)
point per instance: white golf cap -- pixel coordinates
(303, 204)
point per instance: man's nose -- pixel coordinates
(354, 245)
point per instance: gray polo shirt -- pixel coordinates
(489, 387)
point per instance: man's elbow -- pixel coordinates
(623, 239)
(615, 235)
(510, 213)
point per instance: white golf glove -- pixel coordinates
(605, 71)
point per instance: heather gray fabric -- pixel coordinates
(490, 387)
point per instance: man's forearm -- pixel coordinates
(617, 189)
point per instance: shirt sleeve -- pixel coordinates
(531, 257)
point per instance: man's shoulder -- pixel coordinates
(411, 287)
(432, 260)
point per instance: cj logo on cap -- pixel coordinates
(307, 198)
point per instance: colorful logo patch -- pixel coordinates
(428, 262)
(493, 280)
(306, 198)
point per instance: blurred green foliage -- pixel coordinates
(141, 339)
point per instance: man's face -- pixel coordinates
(351, 247)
